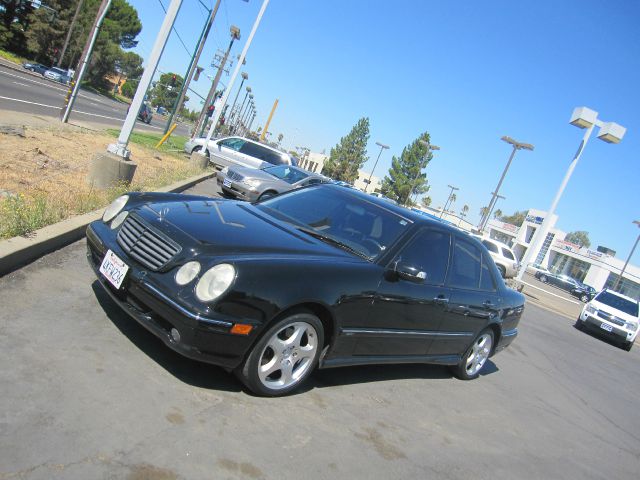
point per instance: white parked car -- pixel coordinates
(232, 151)
(612, 314)
(502, 255)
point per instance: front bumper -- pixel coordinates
(200, 338)
(238, 190)
(617, 333)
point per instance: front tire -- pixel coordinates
(284, 356)
(543, 278)
(476, 356)
(584, 298)
(266, 195)
(199, 149)
(503, 271)
(627, 346)
(579, 325)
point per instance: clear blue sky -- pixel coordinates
(467, 72)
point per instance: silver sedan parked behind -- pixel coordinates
(254, 184)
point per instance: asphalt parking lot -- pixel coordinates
(87, 393)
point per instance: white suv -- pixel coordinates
(612, 314)
(230, 151)
(502, 255)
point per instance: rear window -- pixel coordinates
(287, 173)
(618, 303)
(490, 246)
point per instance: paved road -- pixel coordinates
(87, 393)
(23, 91)
(551, 298)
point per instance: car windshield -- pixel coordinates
(286, 173)
(339, 218)
(618, 303)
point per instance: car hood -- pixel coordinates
(613, 311)
(225, 227)
(255, 173)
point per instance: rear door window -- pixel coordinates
(466, 265)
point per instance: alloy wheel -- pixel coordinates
(479, 354)
(288, 355)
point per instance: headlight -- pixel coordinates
(215, 282)
(591, 309)
(115, 207)
(187, 272)
(252, 182)
(633, 326)
(119, 219)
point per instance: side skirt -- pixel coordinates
(389, 359)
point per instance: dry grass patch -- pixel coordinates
(43, 176)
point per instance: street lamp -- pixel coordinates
(449, 198)
(615, 286)
(424, 158)
(248, 91)
(609, 132)
(382, 147)
(244, 76)
(516, 146)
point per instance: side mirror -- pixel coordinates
(409, 273)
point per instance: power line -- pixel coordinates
(174, 29)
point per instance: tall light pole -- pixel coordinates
(425, 158)
(234, 75)
(382, 147)
(610, 132)
(237, 117)
(516, 146)
(244, 76)
(448, 198)
(200, 124)
(615, 286)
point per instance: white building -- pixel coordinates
(598, 268)
(362, 182)
(313, 162)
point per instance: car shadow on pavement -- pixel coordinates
(604, 339)
(379, 373)
(192, 372)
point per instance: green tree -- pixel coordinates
(280, 137)
(465, 209)
(348, 156)
(129, 88)
(579, 237)
(165, 91)
(14, 21)
(497, 214)
(129, 66)
(405, 176)
(516, 219)
(483, 211)
(426, 201)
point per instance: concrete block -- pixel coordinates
(107, 170)
(198, 160)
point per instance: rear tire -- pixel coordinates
(284, 356)
(503, 271)
(476, 356)
(199, 149)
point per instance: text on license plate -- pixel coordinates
(606, 326)
(113, 269)
(227, 183)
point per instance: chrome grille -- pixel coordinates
(236, 177)
(611, 318)
(150, 248)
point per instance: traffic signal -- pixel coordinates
(210, 110)
(173, 80)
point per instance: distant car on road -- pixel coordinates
(613, 315)
(252, 184)
(534, 268)
(584, 292)
(145, 114)
(58, 75)
(565, 282)
(35, 67)
(239, 151)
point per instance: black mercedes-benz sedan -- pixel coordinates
(321, 276)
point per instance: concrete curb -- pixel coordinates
(19, 251)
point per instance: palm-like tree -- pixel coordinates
(497, 214)
(426, 201)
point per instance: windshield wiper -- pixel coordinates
(332, 241)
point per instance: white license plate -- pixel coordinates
(606, 326)
(113, 269)
(227, 183)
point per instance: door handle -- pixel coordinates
(441, 299)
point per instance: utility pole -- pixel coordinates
(200, 124)
(266, 127)
(72, 93)
(448, 198)
(73, 24)
(177, 106)
(238, 113)
(615, 286)
(223, 101)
